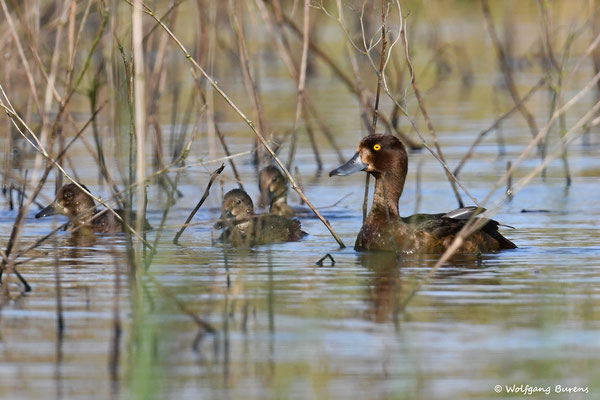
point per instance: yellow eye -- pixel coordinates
(377, 147)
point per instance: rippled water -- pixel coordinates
(287, 328)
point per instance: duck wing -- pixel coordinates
(465, 212)
(440, 227)
(109, 223)
(271, 228)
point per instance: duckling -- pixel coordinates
(243, 228)
(74, 203)
(273, 192)
(384, 157)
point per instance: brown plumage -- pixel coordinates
(74, 203)
(243, 228)
(384, 157)
(273, 192)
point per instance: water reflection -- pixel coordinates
(394, 277)
(58, 367)
(78, 243)
(384, 289)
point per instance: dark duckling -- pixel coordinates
(384, 157)
(273, 192)
(80, 207)
(243, 228)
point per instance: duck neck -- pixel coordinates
(243, 221)
(83, 213)
(279, 201)
(84, 218)
(388, 188)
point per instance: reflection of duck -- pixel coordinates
(74, 203)
(244, 228)
(273, 192)
(390, 280)
(384, 157)
(383, 286)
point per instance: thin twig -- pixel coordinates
(354, 87)
(413, 81)
(320, 262)
(213, 176)
(382, 64)
(248, 76)
(496, 124)
(220, 134)
(286, 54)
(301, 81)
(507, 70)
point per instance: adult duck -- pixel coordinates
(243, 228)
(384, 157)
(80, 208)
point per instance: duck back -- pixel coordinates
(427, 233)
(275, 228)
(283, 209)
(263, 229)
(109, 223)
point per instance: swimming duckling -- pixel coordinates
(273, 192)
(384, 157)
(243, 228)
(80, 207)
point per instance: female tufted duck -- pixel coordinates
(384, 157)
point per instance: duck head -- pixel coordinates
(377, 155)
(70, 201)
(237, 205)
(384, 157)
(272, 185)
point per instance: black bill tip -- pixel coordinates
(46, 212)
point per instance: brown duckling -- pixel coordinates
(80, 207)
(273, 192)
(384, 157)
(243, 228)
